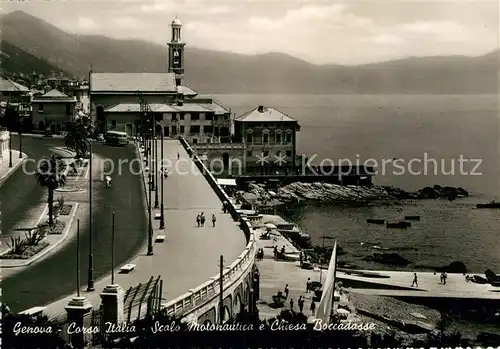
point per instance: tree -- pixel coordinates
(51, 175)
(76, 138)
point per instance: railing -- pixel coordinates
(233, 273)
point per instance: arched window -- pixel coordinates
(249, 136)
(265, 136)
(278, 136)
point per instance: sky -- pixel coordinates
(321, 32)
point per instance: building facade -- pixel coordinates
(264, 141)
(118, 101)
(4, 144)
(53, 110)
(13, 93)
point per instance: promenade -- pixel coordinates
(190, 255)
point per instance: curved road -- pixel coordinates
(190, 254)
(54, 277)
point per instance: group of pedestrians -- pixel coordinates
(300, 302)
(200, 219)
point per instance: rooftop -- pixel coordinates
(11, 86)
(133, 82)
(159, 108)
(54, 95)
(186, 91)
(264, 114)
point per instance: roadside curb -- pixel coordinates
(66, 150)
(14, 168)
(51, 247)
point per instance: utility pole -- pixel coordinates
(113, 249)
(78, 258)
(162, 209)
(10, 148)
(150, 225)
(90, 281)
(221, 295)
(157, 204)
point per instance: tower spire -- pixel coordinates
(176, 51)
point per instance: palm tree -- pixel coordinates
(76, 138)
(51, 175)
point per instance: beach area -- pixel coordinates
(276, 274)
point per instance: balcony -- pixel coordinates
(202, 146)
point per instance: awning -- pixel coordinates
(226, 181)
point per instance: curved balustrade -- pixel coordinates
(205, 292)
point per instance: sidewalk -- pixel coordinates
(189, 255)
(5, 170)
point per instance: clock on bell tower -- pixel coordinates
(176, 52)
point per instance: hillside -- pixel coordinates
(16, 62)
(222, 72)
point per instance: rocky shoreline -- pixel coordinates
(330, 193)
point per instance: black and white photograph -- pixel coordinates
(250, 174)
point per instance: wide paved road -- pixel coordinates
(54, 277)
(190, 255)
(20, 192)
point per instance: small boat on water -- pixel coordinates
(398, 225)
(492, 204)
(375, 221)
(412, 218)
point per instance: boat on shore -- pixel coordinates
(398, 225)
(375, 221)
(412, 218)
(293, 232)
(492, 204)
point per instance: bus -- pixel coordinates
(116, 138)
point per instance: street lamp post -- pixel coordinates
(20, 144)
(162, 214)
(10, 149)
(157, 205)
(90, 280)
(150, 225)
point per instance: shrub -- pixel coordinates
(17, 245)
(56, 229)
(33, 237)
(29, 252)
(65, 210)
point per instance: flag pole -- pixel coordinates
(334, 278)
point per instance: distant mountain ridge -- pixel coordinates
(223, 72)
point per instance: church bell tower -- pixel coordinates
(176, 52)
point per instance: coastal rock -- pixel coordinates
(456, 267)
(328, 192)
(388, 258)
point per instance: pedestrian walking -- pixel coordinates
(178, 156)
(213, 219)
(415, 280)
(301, 304)
(291, 304)
(275, 252)
(308, 285)
(202, 219)
(286, 291)
(442, 278)
(198, 220)
(445, 276)
(313, 307)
